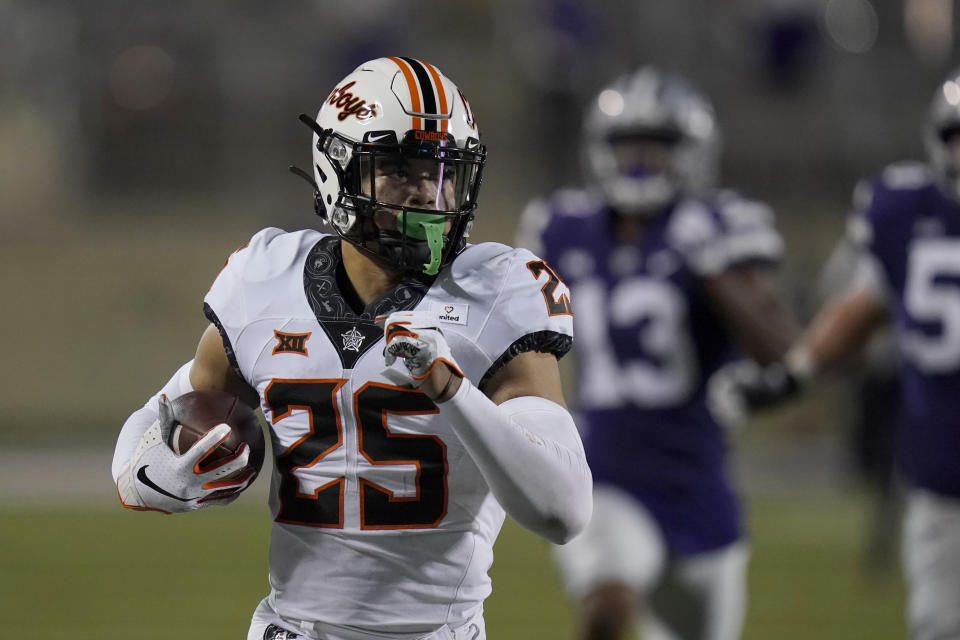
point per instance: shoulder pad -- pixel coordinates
(271, 251)
(248, 279)
(475, 255)
(885, 206)
(545, 221)
(576, 202)
(714, 236)
(519, 303)
(739, 212)
(905, 176)
(691, 225)
(494, 271)
(894, 191)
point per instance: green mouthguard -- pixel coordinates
(428, 227)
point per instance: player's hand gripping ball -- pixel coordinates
(204, 448)
(193, 415)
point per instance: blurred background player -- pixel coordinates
(390, 482)
(140, 147)
(869, 417)
(907, 224)
(668, 278)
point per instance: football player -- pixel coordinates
(410, 379)
(668, 278)
(907, 224)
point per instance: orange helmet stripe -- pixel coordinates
(414, 90)
(440, 93)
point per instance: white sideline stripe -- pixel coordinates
(31, 477)
(61, 477)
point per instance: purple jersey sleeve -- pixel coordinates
(913, 230)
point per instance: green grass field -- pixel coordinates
(102, 573)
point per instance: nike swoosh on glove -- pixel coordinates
(416, 338)
(158, 479)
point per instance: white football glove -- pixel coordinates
(157, 479)
(416, 338)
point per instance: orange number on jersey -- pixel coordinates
(323, 507)
(557, 305)
(379, 509)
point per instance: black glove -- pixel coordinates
(742, 388)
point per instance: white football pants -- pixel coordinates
(697, 597)
(931, 560)
(264, 616)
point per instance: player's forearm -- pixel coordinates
(837, 332)
(140, 420)
(750, 307)
(530, 454)
(840, 330)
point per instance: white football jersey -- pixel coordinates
(381, 519)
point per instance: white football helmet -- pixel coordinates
(658, 107)
(397, 163)
(942, 123)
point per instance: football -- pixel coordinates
(197, 412)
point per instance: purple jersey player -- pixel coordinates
(907, 225)
(667, 279)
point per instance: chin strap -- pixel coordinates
(318, 207)
(303, 174)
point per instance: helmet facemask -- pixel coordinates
(944, 151)
(397, 163)
(674, 136)
(409, 203)
(941, 136)
(643, 178)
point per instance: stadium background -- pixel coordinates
(141, 142)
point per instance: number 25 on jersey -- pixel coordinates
(314, 455)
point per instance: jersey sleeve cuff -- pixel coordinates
(227, 346)
(541, 341)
